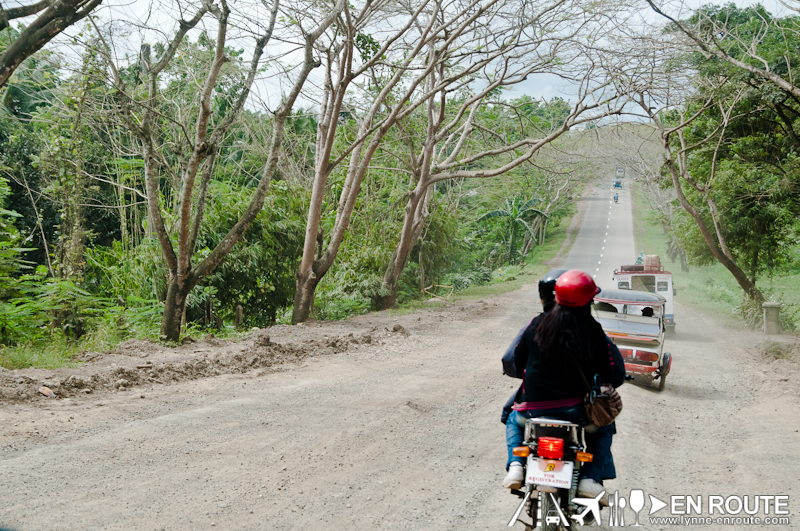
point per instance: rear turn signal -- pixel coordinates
(584, 457)
(521, 451)
(550, 447)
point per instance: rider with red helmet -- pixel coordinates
(554, 349)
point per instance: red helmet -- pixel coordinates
(575, 289)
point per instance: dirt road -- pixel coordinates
(398, 431)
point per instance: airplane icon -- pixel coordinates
(591, 504)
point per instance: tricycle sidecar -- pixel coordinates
(634, 320)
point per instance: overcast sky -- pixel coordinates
(267, 92)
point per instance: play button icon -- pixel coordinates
(655, 504)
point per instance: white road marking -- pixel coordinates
(598, 269)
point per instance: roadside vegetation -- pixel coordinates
(710, 287)
(730, 143)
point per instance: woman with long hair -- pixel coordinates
(555, 348)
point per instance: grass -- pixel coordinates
(507, 278)
(782, 351)
(711, 289)
(53, 350)
(50, 352)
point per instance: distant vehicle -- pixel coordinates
(634, 322)
(649, 276)
(617, 183)
(620, 172)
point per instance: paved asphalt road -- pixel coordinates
(605, 240)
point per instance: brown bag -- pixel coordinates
(602, 402)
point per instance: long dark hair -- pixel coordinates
(569, 335)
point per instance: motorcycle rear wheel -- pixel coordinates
(546, 504)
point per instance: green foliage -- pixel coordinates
(17, 290)
(259, 272)
(464, 279)
(75, 170)
(520, 216)
(122, 273)
(367, 46)
(747, 164)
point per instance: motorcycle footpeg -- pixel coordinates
(518, 493)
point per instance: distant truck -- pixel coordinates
(649, 276)
(620, 172)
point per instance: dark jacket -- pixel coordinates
(543, 382)
(509, 364)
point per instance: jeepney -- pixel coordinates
(651, 277)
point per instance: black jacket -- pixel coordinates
(545, 382)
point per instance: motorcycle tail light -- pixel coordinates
(647, 356)
(550, 448)
(521, 451)
(584, 457)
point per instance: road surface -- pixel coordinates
(401, 434)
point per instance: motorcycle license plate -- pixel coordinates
(549, 472)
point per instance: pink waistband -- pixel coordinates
(548, 404)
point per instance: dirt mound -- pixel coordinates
(781, 348)
(139, 362)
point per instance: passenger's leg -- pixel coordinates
(598, 443)
(515, 431)
(507, 407)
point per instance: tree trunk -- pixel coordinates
(416, 213)
(421, 273)
(513, 242)
(527, 243)
(174, 306)
(747, 285)
(304, 297)
(543, 232)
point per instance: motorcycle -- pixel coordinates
(616, 198)
(555, 450)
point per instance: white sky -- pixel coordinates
(267, 92)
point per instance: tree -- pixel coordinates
(716, 33)
(395, 58)
(467, 138)
(730, 142)
(189, 161)
(449, 47)
(520, 215)
(53, 17)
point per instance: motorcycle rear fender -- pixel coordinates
(544, 426)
